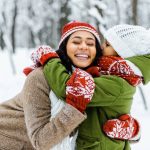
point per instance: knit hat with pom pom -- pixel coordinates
(74, 26)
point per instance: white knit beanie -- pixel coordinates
(129, 40)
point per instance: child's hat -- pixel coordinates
(74, 26)
(129, 40)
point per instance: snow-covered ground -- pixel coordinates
(11, 84)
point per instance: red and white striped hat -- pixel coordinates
(74, 26)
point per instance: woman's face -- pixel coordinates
(108, 50)
(81, 48)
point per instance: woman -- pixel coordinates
(112, 102)
(25, 119)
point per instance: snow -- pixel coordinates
(12, 84)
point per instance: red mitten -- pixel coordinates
(113, 65)
(94, 71)
(40, 57)
(43, 54)
(123, 128)
(80, 89)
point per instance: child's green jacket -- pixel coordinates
(113, 97)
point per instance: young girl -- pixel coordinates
(124, 97)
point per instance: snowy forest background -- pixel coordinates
(26, 24)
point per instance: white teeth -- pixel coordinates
(82, 55)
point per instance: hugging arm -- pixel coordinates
(57, 77)
(43, 133)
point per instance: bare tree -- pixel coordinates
(7, 38)
(118, 11)
(96, 12)
(2, 44)
(134, 11)
(143, 97)
(64, 13)
(14, 17)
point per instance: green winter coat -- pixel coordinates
(112, 97)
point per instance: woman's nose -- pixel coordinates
(83, 46)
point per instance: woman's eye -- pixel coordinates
(76, 42)
(90, 44)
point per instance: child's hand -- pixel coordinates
(40, 57)
(124, 128)
(80, 89)
(43, 54)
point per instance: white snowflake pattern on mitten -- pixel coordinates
(41, 52)
(83, 85)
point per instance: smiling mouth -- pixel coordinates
(82, 56)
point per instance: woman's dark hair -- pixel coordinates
(62, 52)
